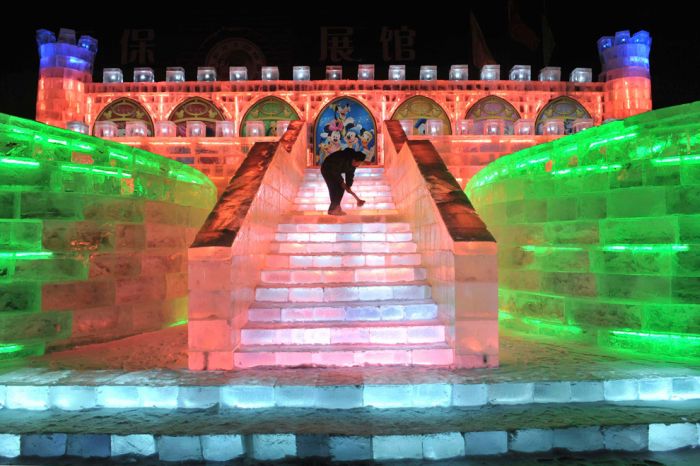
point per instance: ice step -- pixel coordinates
(331, 237)
(362, 179)
(432, 354)
(342, 333)
(357, 185)
(306, 424)
(356, 182)
(310, 191)
(347, 205)
(323, 198)
(372, 215)
(395, 227)
(368, 185)
(358, 174)
(336, 292)
(362, 169)
(298, 261)
(405, 310)
(374, 171)
(344, 275)
(365, 178)
(355, 247)
(321, 195)
(306, 218)
(347, 199)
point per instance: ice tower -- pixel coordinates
(64, 68)
(625, 62)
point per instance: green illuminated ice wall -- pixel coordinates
(599, 235)
(93, 237)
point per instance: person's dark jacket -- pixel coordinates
(338, 163)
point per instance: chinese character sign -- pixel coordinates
(137, 46)
(336, 44)
(343, 123)
(398, 44)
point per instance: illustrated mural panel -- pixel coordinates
(345, 122)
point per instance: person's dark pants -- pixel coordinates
(335, 190)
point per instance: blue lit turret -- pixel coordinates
(625, 70)
(65, 65)
(623, 55)
(65, 53)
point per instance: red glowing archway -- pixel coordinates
(196, 109)
(562, 108)
(124, 110)
(494, 108)
(269, 110)
(419, 109)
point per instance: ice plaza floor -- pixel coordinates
(109, 400)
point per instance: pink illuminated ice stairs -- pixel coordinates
(343, 291)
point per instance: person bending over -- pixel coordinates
(342, 162)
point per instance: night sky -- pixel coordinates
(294, 37)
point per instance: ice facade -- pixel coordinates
(598, 234)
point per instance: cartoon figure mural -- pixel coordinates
(368, 146)
(350, 138)
(343, 123)
(419, 126)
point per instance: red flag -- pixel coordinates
(519, 31)
(481, 55)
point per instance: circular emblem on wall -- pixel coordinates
(236, 51)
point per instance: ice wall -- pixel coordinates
(93, 237)
(599, 234)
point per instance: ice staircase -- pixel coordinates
(343, 290)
